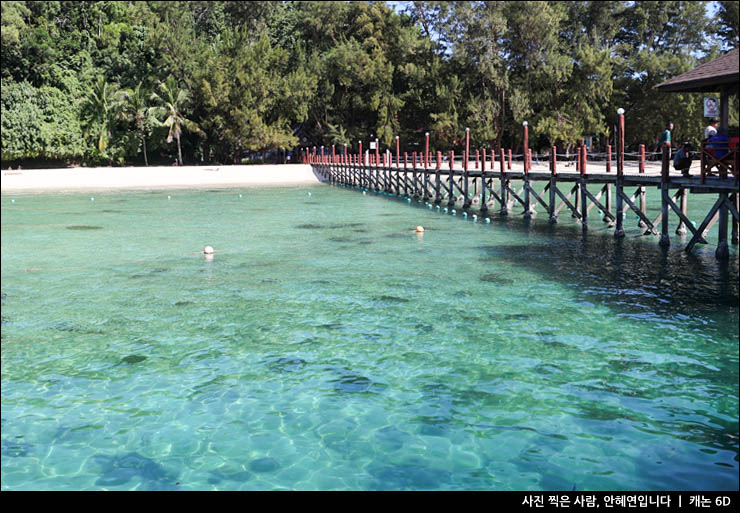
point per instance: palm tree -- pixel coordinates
(172, 102)
(337, 134)
(103, 104)
(135, 106)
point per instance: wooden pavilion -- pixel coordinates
(719, 75)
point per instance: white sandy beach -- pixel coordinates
(111, 178)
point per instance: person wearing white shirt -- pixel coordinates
(711, 130)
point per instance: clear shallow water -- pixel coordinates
(327, 346)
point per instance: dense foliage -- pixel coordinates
(132, 82)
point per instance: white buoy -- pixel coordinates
(92, 199)
(208, 250)
(240, 195)
(420, 229)
(309, 194)
(12, 201)
(475, 217)
(488, 220)
(169, 197)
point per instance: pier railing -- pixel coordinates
(484, 182)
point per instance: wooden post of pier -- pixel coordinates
(483, 206)
(619, 231)
(398, 152)
(525, 159)
(504, 193)
(723, 249)
(577, 185)
(683, 194)
(466, 201)
(413, 174)
(451, 199)
(582, 183)
(553, 183)
(665, 240)
(643, 200)
(377, 152)
(608, 185)
(438, 180)
(467, 149)
(427, 162)
(426, 149)
(509, 159)
(734, 200)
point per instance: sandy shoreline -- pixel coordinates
(170, 177)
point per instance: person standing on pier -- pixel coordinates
(665, 138)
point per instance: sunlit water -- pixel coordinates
(328, 346)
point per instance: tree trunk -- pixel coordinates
(179, 151)
(143, 140)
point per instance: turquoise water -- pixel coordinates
(329, 347)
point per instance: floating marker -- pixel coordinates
(240, 195)
(170, 197)
(420, 229)
(454, 212)
(12, 201)
(208, 250)
(309, 195)
(488, 220)
(92, 199)
(444, 210)
(437, 207)
(364, 193)
(465, 214)
(475, 217)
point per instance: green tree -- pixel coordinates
(172, 103)
(728, 18)
(103, 106)
(656, 42)
(136, 107)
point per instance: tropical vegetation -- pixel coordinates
(110, 82)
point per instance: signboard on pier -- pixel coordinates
(711, 107)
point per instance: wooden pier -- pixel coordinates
(488, 185)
